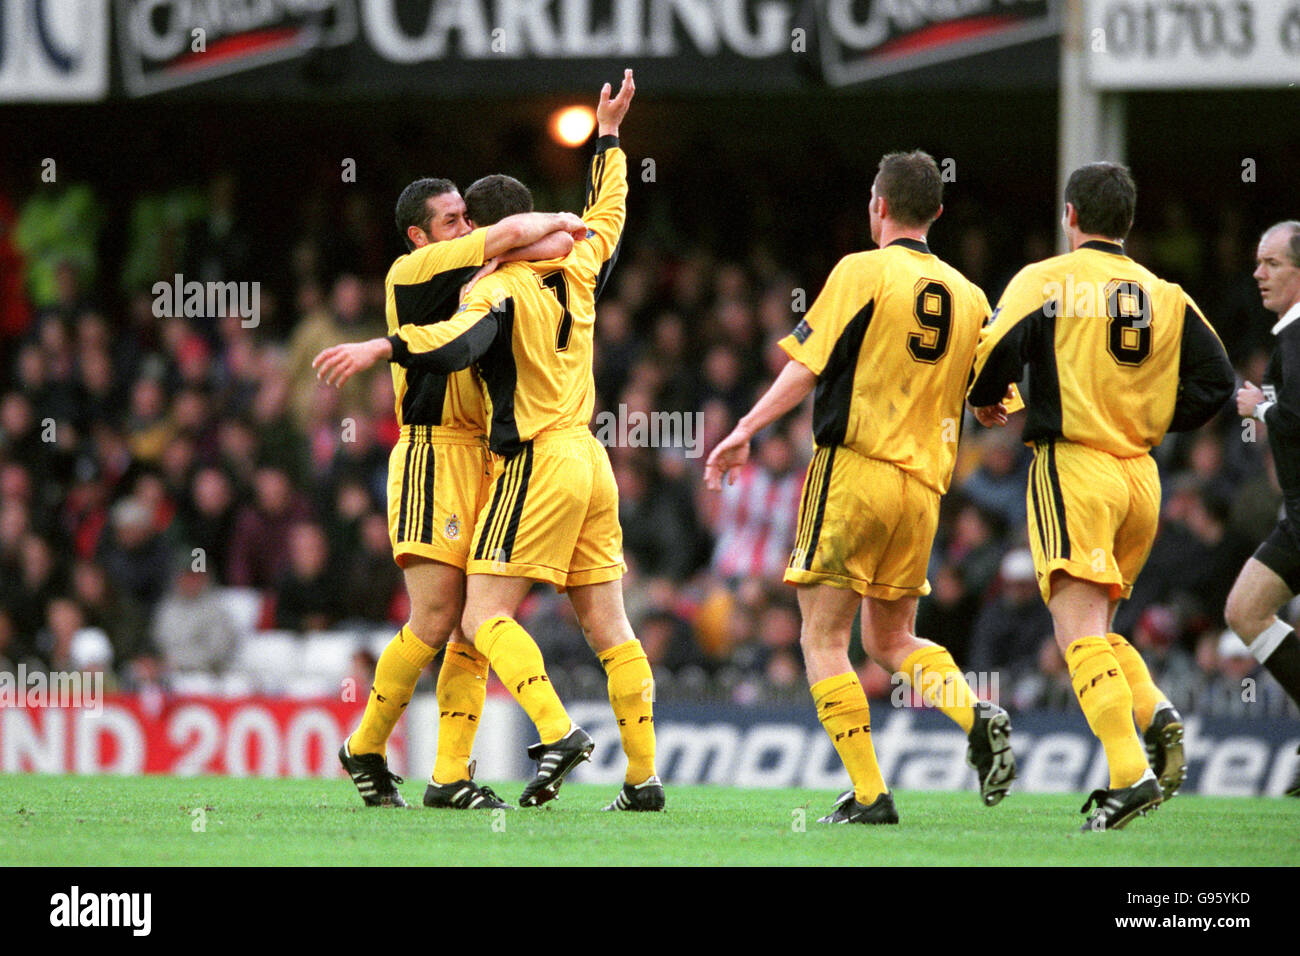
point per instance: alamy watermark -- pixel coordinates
(36, 689)
(133, 911)
(208, 300)
(1116, 299)
(635, 429)
(939, 690)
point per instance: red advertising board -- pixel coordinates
(240, 737)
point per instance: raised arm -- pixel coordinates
(606, 204)
(605, 210)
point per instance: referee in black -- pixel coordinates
(1272, 576)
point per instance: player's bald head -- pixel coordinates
(1288, 231)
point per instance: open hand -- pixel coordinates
(610, 112)
(338, 363)
(732, 452)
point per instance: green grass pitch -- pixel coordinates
(145, 821)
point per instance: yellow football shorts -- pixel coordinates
(437, 484)
(552, 514)
(864, 524)
(1091, 515)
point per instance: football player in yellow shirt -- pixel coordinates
(887, 347)
(1116, 358)
(442, 433)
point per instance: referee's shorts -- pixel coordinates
(1280, 553)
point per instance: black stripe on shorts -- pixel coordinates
(426, 525)
(823, 494)
(1058, 500)
(406, 492)
(512, 529)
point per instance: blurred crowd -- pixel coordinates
(152, 462)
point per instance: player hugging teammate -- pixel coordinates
(548, 511)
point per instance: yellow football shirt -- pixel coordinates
(1116, 356)
(891, 338)
(423, 288)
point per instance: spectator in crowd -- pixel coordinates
(1010, 630)
(1239, 686)
(616, 347)
(782, 661)
(306, 598)
(218, 247)
(63, 622)
(1048, 687)
(963, 566)
(148, 426)
(342, 321)
(668, 643)
(998, 484)
(40, 580)
(258, 552)
(135, 555)
(1158, 637)
(372, 580)
(60, 261)
(1192, 561)
(110, 610)
(758, 513)
(192, 628)
(11, 653)
(660, 533)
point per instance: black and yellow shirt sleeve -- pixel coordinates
(458, 342)
(1205, 375)
(423, 282)
(1007, 342)
(844, 304)
(604, 212)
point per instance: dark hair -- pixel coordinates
(413, 204)
(1105, 197)
(1293, 240)
(911, 186)
(494, 197)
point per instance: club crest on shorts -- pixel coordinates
(452, 529)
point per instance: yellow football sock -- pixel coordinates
(932, 671)
(396, 673)
(1146, 695)
(462, 689)
(1107, 702)
(842, 709)
(632, 695)
(515, 657)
